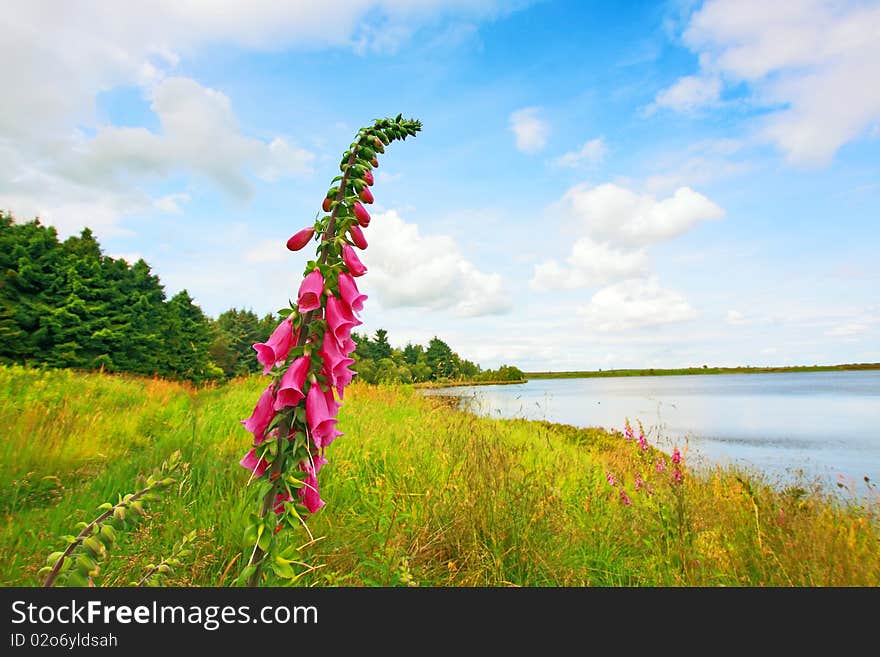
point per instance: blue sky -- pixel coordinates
(596, 185)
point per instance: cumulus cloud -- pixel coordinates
(199, 133)
(590, 263)
(617, 225)
(618, 215)
(58, 159)
(592, 153)
(635, 303)
(813, 64)
(529, 129)
(407, 268)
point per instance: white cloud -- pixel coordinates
(635, 303)
(171, 202)
(592, 153)
(199, 133)
(735, 317)
(58, 60)
(590, 263)
(530, 131)
(612, 213)
(814, 64)
(407, 268)
(618, 224)
(690, 93)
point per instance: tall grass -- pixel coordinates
(417, 493)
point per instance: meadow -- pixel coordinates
(418, 494)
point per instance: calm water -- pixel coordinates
(824, 424)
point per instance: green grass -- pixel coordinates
(587, 374)
(417, 493)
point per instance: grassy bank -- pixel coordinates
(417, 493)
(699, 370)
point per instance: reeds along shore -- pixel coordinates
(417, 492)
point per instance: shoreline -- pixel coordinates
(700, 371)
(463, 384)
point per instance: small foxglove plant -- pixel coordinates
(308, 356)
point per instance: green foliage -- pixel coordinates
(65, 304)
(78, 563)
(376, 361)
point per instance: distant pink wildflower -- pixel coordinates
(624, 497)
(611, 480)
(676, 456)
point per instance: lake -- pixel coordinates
(819, 424)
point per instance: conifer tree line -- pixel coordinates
(66, 304)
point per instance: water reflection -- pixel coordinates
(816, 423)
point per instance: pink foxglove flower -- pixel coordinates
(625, 498)
(280, 499)
(276, 348)
(357, 236)
(360, 212)
(352, 262)
(300, 239)
(309, 493)
(290, 388)
(336, 363)
(677, 476)
(309, 297)
(340, 319)
(322, 424)
(366, 195)
(368, 177)
(254, 465)
(611, 480)
(348, 346)
(262, 416)
(676, 456)
(349, 292)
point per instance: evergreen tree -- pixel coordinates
(188, 338)
(444, 363)
(380, 348)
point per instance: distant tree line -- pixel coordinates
(66, 304)
(376, 361)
